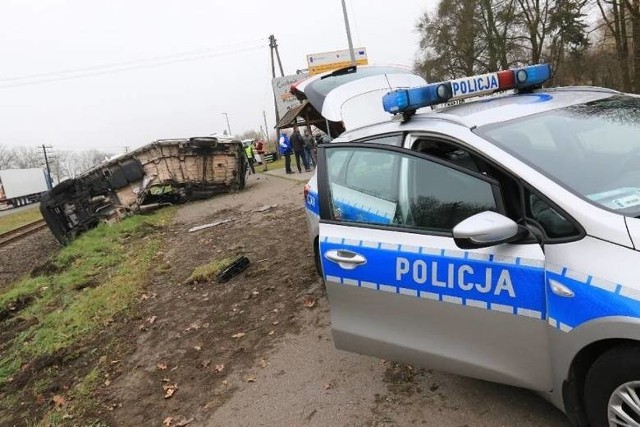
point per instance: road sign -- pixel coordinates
(285, 100)
(329, 61)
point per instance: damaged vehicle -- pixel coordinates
(164, 172)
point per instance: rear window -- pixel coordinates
(327, 84)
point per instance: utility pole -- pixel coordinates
(266, 128)
(46, 162)
(346, 24)
(273, 45)
(228, 127)
(274, 48)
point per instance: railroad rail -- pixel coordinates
(22, 231)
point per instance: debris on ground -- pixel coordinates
(205, 226)
(265, 208)
(309, 301)
(169, 390)
(233, 269)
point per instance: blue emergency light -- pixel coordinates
(407, 100)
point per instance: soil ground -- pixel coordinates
(257, 349)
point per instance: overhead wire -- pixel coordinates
(97, 70)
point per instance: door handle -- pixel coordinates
(345, 259)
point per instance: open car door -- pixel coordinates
(398, 286)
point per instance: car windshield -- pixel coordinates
(593, 149)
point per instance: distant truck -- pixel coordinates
(19, 187)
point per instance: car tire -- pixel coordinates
(607, 381)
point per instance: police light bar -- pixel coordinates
(406, 100)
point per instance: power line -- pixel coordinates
(115, 68)
(239, 45)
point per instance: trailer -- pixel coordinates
(19, 187)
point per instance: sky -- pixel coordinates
(87, 74)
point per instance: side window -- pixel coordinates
(364, 184)
(372, 172)
(391, 139)
(387, 187)
(554, 224)
(440, 197)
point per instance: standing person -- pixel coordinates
(297, 142)
(285, 150)
(260, 145)
(308, 148)
(248, 150)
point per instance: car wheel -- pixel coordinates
(612, 388)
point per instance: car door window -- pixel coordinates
(399, 188)
(554, 224)
(441, 196)
(363, 185)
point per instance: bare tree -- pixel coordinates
(614, 14)
(633, 6)
(466, 37)
(6, 157)
(26, 157)
(250, 134)
(69, 164)
(499, 34)
(449, 40)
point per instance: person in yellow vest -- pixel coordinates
(248, 150)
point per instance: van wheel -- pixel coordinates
(612, 388)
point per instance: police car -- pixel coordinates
(497, 238)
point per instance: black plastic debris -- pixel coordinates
(233, 269)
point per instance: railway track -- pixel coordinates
(22, 231)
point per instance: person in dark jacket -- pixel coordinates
(284, 144)
(309, 149)
(297, 143)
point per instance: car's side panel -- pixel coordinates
(420, 299)
(565, 346)
(605, 306)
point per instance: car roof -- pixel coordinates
(501, 107)
(487, 110)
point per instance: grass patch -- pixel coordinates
(82, 392)
(101, 275)
(278, 164)
(208, 272)
(14, 220)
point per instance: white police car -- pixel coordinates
(497, 238)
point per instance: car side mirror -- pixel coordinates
(487, 229)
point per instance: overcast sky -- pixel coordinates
(81, 74)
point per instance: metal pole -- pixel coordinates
(274, 47)
(266, 128)
(228, 127)
(46, 162)
(346, 24)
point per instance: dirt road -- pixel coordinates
(250, 352)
